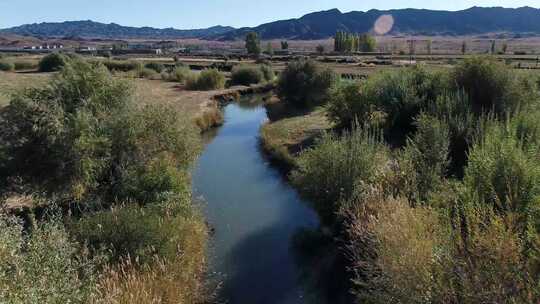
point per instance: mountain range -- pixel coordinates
(90, 29)
(318, 25)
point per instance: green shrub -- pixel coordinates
(82, 136)
(157, 67)
(52, 62)
(492, 86)
(207, 80)
(122, 66)
(328, 173)
(268, 72)
(304, 84)
(426, 158)
(6, 66)
(246, 75)
(178, 74)
(146, 73)
(504, 174)
(413, 255)
(392, 97)
(24, 65)
(44, 266)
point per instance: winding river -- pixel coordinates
(254, 212)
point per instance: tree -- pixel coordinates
(367, 43)
(464, 47)
(320, 49)
(504, 48)
(347, 42)
(428, 46)
(284, 45)
(304, 84)
(253, 44)
(269, 49)
(493, 47)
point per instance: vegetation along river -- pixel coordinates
(254, 212)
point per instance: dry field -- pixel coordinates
(11, 82)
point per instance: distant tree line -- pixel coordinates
(353, 42)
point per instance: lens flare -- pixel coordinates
(383, 25)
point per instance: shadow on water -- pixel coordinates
(256, 215)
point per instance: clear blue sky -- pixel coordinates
(185, 14)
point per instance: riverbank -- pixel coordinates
(288, 132)
(203, 107)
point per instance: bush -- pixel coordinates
(393, 98)
(504, 174)
(206, 80)
(245, 75)
(178, 74)
(122, 66)
(24, 65)
(157, 251)
(328, 173)
(6, 66)
(44, 266)
(413, 255)
(492, 86)
(268, 72)
(304, 84)
(52, 62)
(82, 136)
(146, 73)
(157, 67)
(426, 158)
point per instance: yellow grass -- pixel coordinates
(11, 82)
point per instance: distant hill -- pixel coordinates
(476, 20)
(319, 25)
(91, 29)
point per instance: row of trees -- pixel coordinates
(350, 42)
(253, 45)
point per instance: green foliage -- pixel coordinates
(504, 173)
(81, 136)
(269, 49)
(426, 158)
(253, 43)
(178, 74)
(284, 45)
(52, 62)
(328, 173)
(6, 66)
(305, 84)
(24, 65)
(246, 75)
(392, 98)
(491, 86)
(132, 231)
(413, 255)
(267, 71)
(157, 67)
(348, 42)
(122, 66)
(44, 266)
(207, 80)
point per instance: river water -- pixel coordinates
(254, 212)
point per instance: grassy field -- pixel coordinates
(10, 82)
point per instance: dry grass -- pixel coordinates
(177, 280)
(285, 138)
(11, 82)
